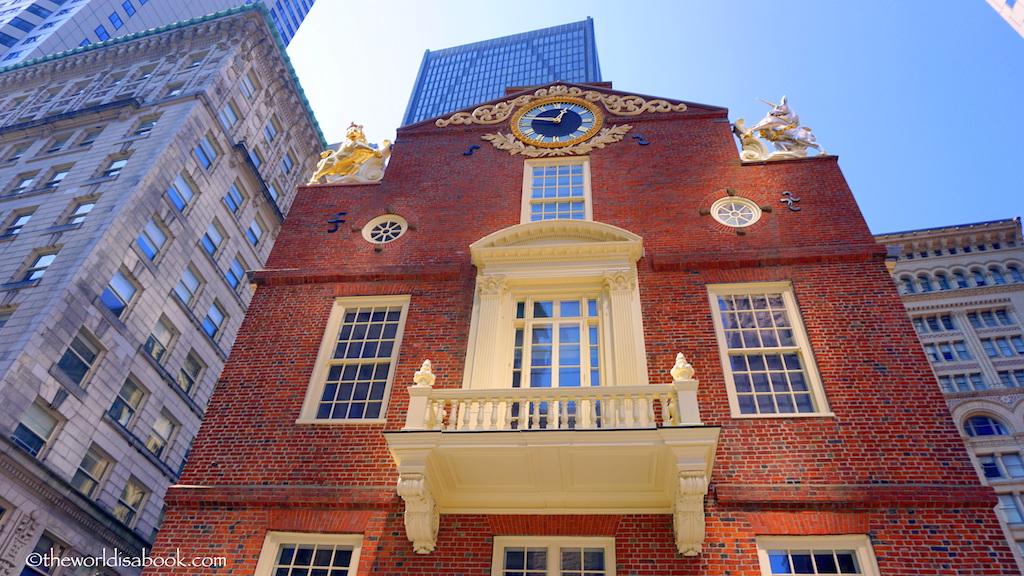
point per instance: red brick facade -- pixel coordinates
(888, 463)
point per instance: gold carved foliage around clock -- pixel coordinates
(559, 120)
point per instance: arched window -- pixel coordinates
(961, 280)
(984, 426)
(943, 281)
(1015, 273)
(908, 285)
(926, 283)
(979, 278)
(997, 275)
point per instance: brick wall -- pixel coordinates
(889, 463)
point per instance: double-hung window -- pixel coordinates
(234, 198)
(119, 293)
(133, 496)
(235, 272)
(228, 115)
(17, 222)
(206, 152)
(35, 429)
(38, 266)
(557, 188)
(249, 85)
(553, 556)
(114, 168)
(255, 231)
(159, 339)
(214, 320)
(355, 365)
(190, 371)
(847, 554)
(181, 192)
(764, 351)
(189, 285)
(299, 554)
(162, 434)
(127, 402)
(152, 239)
(213, 238)
(80, 356)
(90, 471)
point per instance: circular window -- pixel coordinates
(736, 212)
(385, 228)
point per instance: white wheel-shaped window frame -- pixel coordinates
(384, 229)
(736, 212)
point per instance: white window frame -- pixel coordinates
(859, 543)
(553, 544)
(274, 540)
(506, 274)
(802, 348)
(324, 359)
(528, 167)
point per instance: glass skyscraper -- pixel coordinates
(461, 76)
(31, 29)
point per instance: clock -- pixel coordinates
(556, 122)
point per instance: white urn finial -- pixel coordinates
(682, 369)
(425, 375)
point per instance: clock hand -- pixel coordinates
(558, 119)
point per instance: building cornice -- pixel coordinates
(21, 469)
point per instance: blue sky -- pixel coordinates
(922, 102)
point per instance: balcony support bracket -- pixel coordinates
(689, 512)
(421, 514)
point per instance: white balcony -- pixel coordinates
(596, 450)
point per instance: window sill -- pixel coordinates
(8, 237)
(737, 416)
(27, 194)
(100, 179)
(49, 155)
(19, 285)
(349, 421)
(62, 228)
(69, 384)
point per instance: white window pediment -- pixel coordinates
(525, 249)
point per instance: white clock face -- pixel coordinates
(556, 123)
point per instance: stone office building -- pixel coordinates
(140, 179)
(477, 373)
(964, 289)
